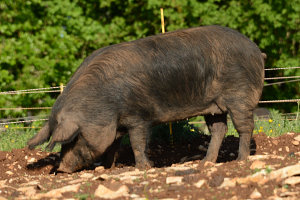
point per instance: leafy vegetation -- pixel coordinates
(43, 42)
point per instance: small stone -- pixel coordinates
(287, 194)
(144, 183)
(297, 138)
(99, 169)
(280, 149)
(78, 180)
(285, 172)
(295, 142)
(255, 194)
(275, 142)
(106, 193)
(32, 160)
(9, 173)
(211, 170)
(35, 182)
(174, 180)
(28, 191)
(86, 175)
(234, 198)
(292, 180)
(57, 193)
(2, 183)
(102, 177)
(200, 183)
(175, 168)
(287, 149)
(257, 164)
(152, 175)
(208, 164)
(134, 196)
(232, 154)
(227, 183)
(152, 170)
(132, 173)
(263, 157)
(129, 179)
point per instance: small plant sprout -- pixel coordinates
(268, 170)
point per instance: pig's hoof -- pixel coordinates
(145, 165)
(206, 159)
(241, 158)
(207, 163)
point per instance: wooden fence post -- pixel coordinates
(61, 87)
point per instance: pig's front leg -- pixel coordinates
(110, 156)
(138, 137)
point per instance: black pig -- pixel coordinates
(210, 71)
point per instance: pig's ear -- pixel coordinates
(42, 136)
(65, 132)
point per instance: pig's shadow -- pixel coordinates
(164, 154)
(51, 160)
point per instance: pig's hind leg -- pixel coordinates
(138, 135)
(217, 126)
(243, 122)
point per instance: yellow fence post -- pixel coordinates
(163, 31)
(162, 20)
(61, 87)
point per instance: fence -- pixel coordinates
(59, 89)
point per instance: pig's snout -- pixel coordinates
(70, 162)
(63, 168)
(75, 156)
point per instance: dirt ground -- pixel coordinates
(272, 172)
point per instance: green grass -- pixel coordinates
(11, 138)
(16, 137)
(274, 126)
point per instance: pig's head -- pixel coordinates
(76, 155)
(79, 150)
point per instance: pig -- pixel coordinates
(132, 86)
